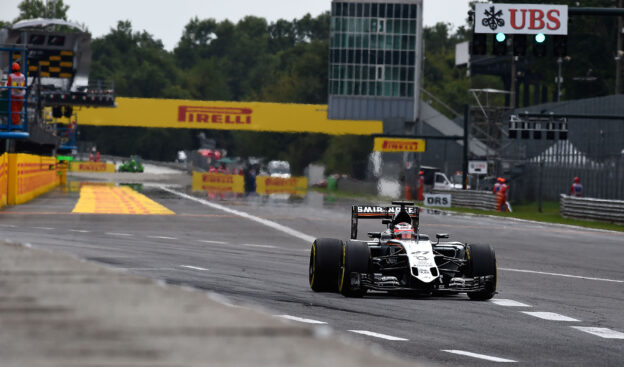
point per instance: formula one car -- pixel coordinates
(400, 259)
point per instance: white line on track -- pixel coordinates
(562, 275)
(8, 225)
(79, 230)
(266, 222)
(44, 228)
(602, 332)
(508, 303)
(117, 234)
(480, 356)
(193, 267)
(260, 246)
(162, 237)
(214, 242)
(550, 316)
(377, 335)
(300, 319)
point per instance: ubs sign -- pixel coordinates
(521, 19)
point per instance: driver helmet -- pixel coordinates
(404, 231)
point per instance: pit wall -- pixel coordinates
(91, 167)
(4, 179)
(30, 176)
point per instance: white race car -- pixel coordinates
(400, 259)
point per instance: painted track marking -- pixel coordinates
(162, 237)
(550, 316)
(260, 246)
(602, 332)
(266, 222)
(562, 275)
(44, 228)
(508, 303)
(480, 356)
(193, 267)
(380, 336)
(213, 242)
(79, 230)
(300, 319)
(8, 225)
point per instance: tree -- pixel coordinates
(30, 9)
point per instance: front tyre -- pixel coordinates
(325, 264)
(482, 263)
(355, 260)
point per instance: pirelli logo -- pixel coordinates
(399, 145)
(215, 115)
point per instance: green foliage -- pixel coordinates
(30, 9)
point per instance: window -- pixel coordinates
(381, 26)
(380, 73)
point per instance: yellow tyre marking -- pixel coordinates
(344, 262)
(313, 264)
(100, 199)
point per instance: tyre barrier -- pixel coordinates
(476, 199)
(611, 211)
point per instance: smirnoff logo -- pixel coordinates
(215, 115)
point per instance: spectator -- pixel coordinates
(17, 82)
(577, 188)
(421, 185)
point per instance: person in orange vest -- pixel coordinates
(17, 81)
(504, 190)
(421, 185)
(97, 156)
(212, 169)
(499, 191)
(497, 186)
(577, 188)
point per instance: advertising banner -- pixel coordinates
(30, 176)
(91, 167)
(521, 18)
(439, 200)
(266, 185)
(218, 182)
(399, 145)
(250, 116)
(4, 178)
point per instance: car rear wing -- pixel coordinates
(380, 212)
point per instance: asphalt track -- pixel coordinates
(560, 288)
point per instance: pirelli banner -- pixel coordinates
(218, 182)
(251, 116)
(4, 178)
(266, 185)
(30, 176)
(91, 167)
(391, 145)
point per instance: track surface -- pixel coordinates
(554, 272)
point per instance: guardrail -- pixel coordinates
(476, 199)
(593, 209)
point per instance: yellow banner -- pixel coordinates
(251, 116)
(91, 167)
(399, 145)
(4, 178)
(218, 182)
(30, 176)
(266, 185)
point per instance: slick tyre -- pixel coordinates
(355, 259)
(325, 264)
(482, 262)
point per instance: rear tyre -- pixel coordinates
(482, 262)
(325, 264)
(355, 259)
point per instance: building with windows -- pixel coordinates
(375, 58)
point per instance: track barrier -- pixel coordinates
(91, 167)
(593, 209)
(30, 176)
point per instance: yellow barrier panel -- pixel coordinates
(104, 199)
(218, 182)
(4, 179)
(266, 185)
(399, 145)
(251, 116)
(30, 176)
(91, 167)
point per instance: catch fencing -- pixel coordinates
(593, 209)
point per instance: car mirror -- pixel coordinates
(442, 235)
(386, 221)
(374, 234)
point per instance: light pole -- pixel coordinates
(559, 78)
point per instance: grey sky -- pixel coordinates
(166, 19)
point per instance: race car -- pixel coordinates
(400, 259)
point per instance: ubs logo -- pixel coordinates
(493, 18)
(215, 115)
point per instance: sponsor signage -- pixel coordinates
(266, 185)
(477, 167)
(521, 19)
(399, 145)
(91, 167)
(440, 200)
(219, 115)
(218, 182)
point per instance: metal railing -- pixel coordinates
(592, 209)
(476, 199)
(8, 130)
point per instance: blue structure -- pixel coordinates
(7, 129)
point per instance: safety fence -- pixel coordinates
(30, 176)
(484, 200)
(91, 167)
(593, 209)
